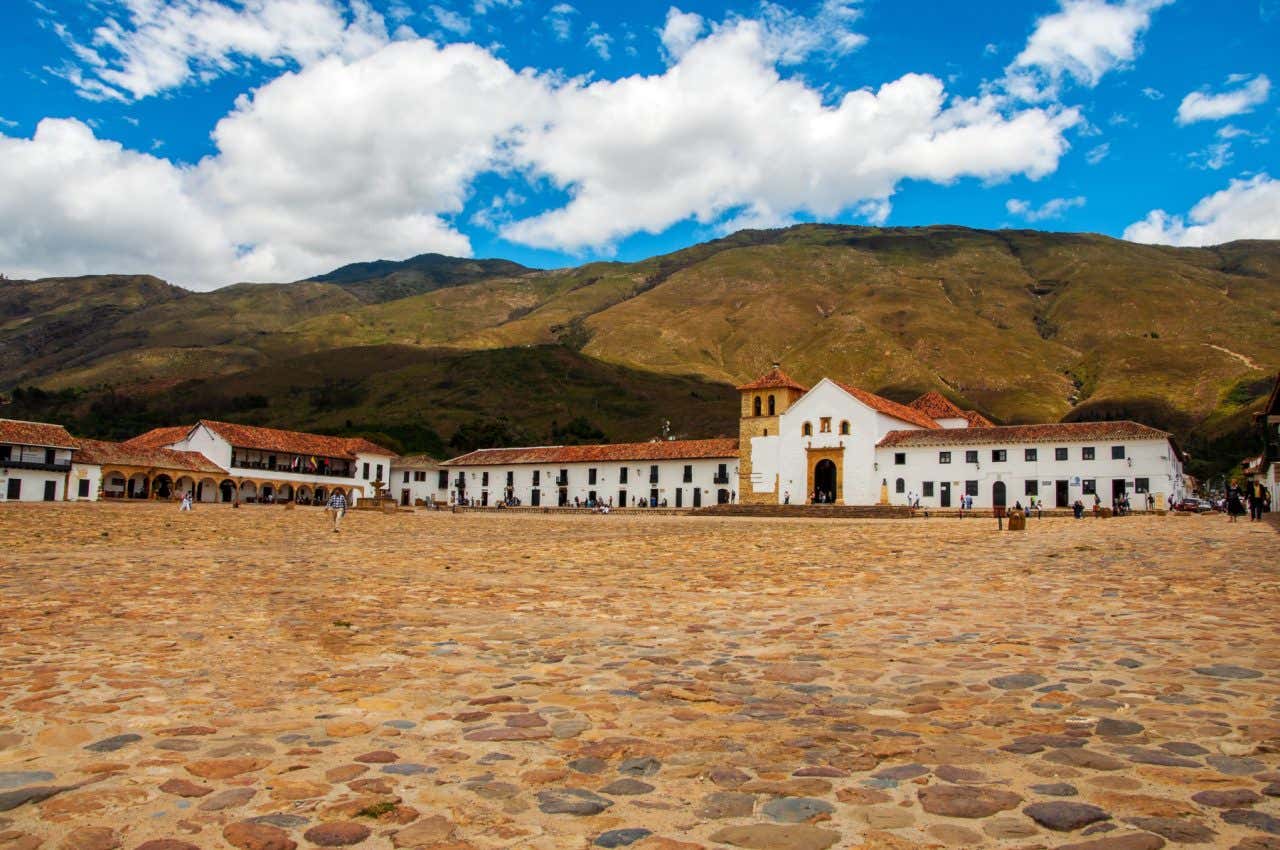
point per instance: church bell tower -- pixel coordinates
(764, 400)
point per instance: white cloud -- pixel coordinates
(723, 133)
(680, 32)
(1152, 94)
(599, 41)
(1214, 157)
(75, 204)
(561, 20)
(1054, 208)
(482, 7)
(1202, 106)
(1084, 40)
(1246, 209)
(1098, 153)
(451, 20)
(148, 46)
(719, 137)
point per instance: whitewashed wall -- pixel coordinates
(671, 485)
(1154, 460)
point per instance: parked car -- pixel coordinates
(1195, 506)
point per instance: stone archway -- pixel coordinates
(824, 480)
(304, 494)
(207, 490)
(227, 490)
(248, 491)
(285, 493)
(138, 486)
(267, 494)
(998, 495)
(824, 474)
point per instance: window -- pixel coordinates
(591, 475)
(84, 488)
(766, 433)
(900, 486)
(688, 473)
(1087, 453)
(1089, 486)
(366, 471)
(944, 457)
(1029, 455)
(6, 452)
(899, 458)
(484, 479)
(1060, 454)
(806, 429)
(537, 477)
(1032, 488)
(1142, 485)
(999, 455)
(971, 456)
(379, 476)
(824, 424)
(928, 489)
(755, 407)
(443, 480)
(772, 406)
(622, 475)
(844, 428)
(653, 474)
(562, 480)
(971, 488)
(406, 476)
(511, 478)
(1117, 452)
(421, 475)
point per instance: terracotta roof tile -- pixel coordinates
(416, 462)
(936, 405)
(106, 453)
(1054, 432)
(775, 378)
(977, 420)
(295, 442)
(660, 450)
(45, 434)
(159, 438)
(889, 408)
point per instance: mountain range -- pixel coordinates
(444, 354)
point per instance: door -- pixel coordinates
(15, 489)
(564, 496)
(50, 490)
(1117, 489)
(697, 497)
(535, 497)
(998, 497)
(679, 497)
(944, 494)
(622, 498)
(404, 498)
(653, 497)
(1062, 493)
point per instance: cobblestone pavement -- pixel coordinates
(246, 678)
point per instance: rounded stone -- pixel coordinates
(796, 809)
(257, 836)
(621, 837)
(963, 801)
(91, 838)
(1064, 817)
(337, 834)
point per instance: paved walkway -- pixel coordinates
(249, 679)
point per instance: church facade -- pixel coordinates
(841, 444)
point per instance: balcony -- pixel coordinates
(36, 464)
(720, 478)
(303, 468)
(562, 481)
(460, 483)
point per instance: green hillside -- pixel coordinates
(1023, 325)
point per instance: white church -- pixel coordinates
(834, 442)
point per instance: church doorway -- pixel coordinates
(824, 481)
(722, 497)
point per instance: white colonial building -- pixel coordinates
(418, 480)
(274, 465)
(662, 473)
(837, 443)
(35, 461)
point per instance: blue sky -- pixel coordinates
(211, 141)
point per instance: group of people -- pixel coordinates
(1251, 495)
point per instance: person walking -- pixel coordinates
(186, 502)
(1078, 509)
(338, 507)
(1234, 505)
(1255, 501)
